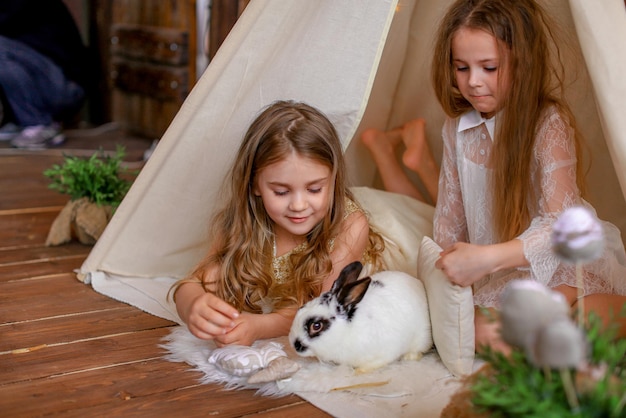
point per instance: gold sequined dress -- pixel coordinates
(281, 265)
(401, 221)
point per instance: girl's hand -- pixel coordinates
(250, 327)
(206, 315)
(243, 332)
(465, 263)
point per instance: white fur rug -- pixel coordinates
(404, 388)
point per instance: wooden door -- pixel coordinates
(152, 62)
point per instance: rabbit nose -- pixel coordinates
(297, 344)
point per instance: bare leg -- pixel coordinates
(418, 156)
(382, 147)
(487, 331)
(609, 308)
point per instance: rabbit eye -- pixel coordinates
(315, 326)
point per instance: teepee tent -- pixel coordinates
(324, 53)
(365, 63)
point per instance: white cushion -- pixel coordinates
(451, 312)
(401, 220)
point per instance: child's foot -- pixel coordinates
(381, 143)
(417, 152)
(382, 146)
(418, 157)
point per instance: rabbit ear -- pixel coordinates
(349, 274)
(351, 294)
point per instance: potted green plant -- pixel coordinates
(96, 186)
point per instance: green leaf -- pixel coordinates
(516, 388)
(98, 178)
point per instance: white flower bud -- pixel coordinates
(559, 345)
(577, 235)
(526, 306)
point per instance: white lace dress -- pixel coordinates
(463, 210)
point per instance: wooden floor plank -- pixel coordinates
(27, 229)
(41, 268)
(30, 194)
(25, 256)
(95, 387)
(25, 300)
(27, 167)
(78, 356)
(64, 329)
(23, 184)
(92, 392)
(195, 401)
(298, 409)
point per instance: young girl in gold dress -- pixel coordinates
(288, 226)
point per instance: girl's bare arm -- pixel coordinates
(205, 314)
(465, 263)
(349, 245)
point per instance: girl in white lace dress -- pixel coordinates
(509, 165)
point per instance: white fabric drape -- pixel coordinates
(601, 29)
(323, 52)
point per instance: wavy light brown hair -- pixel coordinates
(242, 231)
(535, 78)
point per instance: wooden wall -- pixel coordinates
(152, 62)
(146, 53)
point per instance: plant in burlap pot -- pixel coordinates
(96, 187)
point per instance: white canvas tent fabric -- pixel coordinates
(365, 63)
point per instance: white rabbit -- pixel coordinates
(365, 323)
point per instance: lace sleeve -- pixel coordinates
(553, 172)
(449, 223)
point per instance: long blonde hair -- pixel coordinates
(535, 83)
(242, 231)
